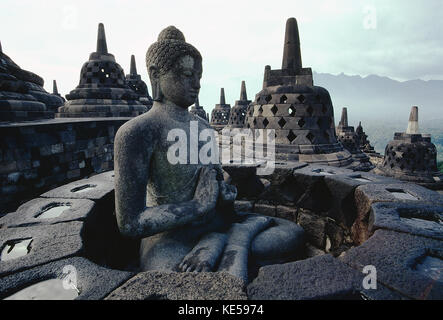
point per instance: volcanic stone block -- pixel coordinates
(313, 194)
(49, 243)
(421, 219)
(43, 211)
(314, 227)
(265, 209)
(156, 285)
(342, 188)
(94, 282)
(366, 195)
(321, 277)
(408, 264)
(94, 188)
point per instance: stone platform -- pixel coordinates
(73, 227)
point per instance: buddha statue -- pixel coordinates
(183, 213)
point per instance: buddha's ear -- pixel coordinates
(154, 75)
(153, 72)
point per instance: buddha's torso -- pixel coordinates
(173, 183)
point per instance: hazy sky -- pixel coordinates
(395, 38)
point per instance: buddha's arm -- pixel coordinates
(134, 219)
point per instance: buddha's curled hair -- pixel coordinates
(170, 46)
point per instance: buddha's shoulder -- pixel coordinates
(144, 126)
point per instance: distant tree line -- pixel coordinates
(440, 166)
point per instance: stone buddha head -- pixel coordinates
(175, 69)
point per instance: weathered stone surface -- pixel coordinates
(398, 259)
(31, 212)
(49, 243)
(102, 90)
(421, 219)
(412, 157)
(366, 195)
(155, 285)
(93, 281)
(288, 213)
(321, 277)
(342, 188)
(94, 188)
(314, 226)
(243, 206)
(265, 209)
(301, 114)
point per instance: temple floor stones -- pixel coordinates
(92, 281)
(366, 195)
(322, 277)
(49, 243)
(421, 218)
(403, 262)
(94, 188)
(44, 211)
(156, 285)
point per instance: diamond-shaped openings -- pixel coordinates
(301, 98)
(291, 111)
(281, 122)
(283, 99)
(274, 109)
(291, 136)
(310, 110)
(310, 137)
(265, 122)
(268, 98)
(260, 110)
(301, 123)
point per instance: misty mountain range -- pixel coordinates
(383, 105)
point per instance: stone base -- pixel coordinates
(16, 116)
(430, 180)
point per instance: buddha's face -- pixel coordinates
(181, 84)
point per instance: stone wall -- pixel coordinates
(41, 155)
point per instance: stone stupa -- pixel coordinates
(238, 112)
(412, 157)
(198, 110)
(350, 141)
(301, 114)
(220, 114)
(22, 96)
(135, 82)
(102, 91)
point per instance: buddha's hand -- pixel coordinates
(228, 192)
(207, 191)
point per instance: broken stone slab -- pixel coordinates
(44, 211)
(408, 264)
(312, 192)
(24, 248)
(93, 188)
(92, 281)
(366, 195)
(422, 219)
(342, 188)
(320, 277)
(157, 285)
(245, 179)
(314, 226)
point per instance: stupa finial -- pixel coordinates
(54, 87)
(133, 70)
(413, 121)
(243, 95)
(222, 96)
(344, 117)
(102, 48)
(291, 51)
